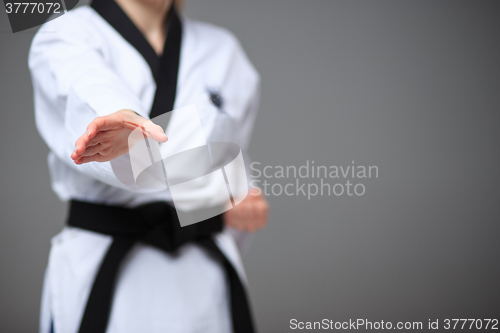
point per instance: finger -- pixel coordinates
(228, 218)
(105, 123)
(94, 158)
(102, 137)
(234, 217)
(261, 208)
(257, 217)
(253, 217)
(155, 132)
(80, 146)
(92, 150)
(85, 141)
(242, 210)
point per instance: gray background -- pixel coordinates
(410, 86)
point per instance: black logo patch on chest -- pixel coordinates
(216, 98)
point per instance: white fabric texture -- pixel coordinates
(81, 69)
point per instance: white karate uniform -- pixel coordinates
(83, 68)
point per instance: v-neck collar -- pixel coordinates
(165, 67)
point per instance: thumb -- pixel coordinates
(156, 132)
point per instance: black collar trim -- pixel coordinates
(165, 68)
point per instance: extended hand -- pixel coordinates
(250, 214)
(107, 137)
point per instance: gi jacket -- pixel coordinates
(82, 67)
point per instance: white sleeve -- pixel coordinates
(73, 85)
(244, 239)
(243, 131)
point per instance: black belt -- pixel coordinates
(155, 224)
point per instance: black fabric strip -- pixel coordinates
(96, 315)
(155, 224)
(240, 308)
(164, 68)
(116, 17)
(166, 85)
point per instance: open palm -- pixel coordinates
(107, 137)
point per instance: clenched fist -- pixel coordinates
(250, 215)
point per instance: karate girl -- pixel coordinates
(123, 263)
